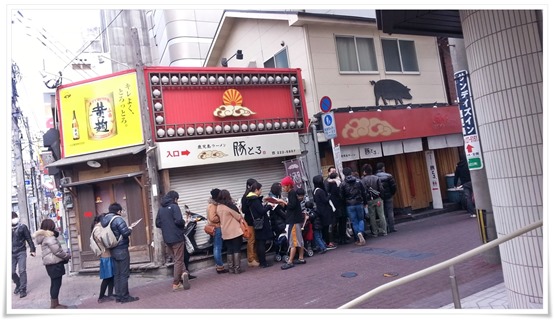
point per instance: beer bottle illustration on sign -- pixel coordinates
(75, 127)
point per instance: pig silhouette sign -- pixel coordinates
(389, 89)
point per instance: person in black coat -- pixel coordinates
(277, 213)
(322, 202)
(260, 211)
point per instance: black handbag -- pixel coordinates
(257, 223)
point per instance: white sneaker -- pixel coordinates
(361, 239)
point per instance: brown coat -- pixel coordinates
(211, 215)
(229, 220)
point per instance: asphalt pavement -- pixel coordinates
(325, 282)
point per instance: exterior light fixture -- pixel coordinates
(238, 55)
(94, 164)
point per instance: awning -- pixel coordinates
(97, 156)
(103, 179)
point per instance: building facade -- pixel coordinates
(366, 75)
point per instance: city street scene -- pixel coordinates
(228, 161)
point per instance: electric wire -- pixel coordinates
(42, 37)
(90, 42)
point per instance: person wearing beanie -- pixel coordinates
(214, 219)
(294, 219)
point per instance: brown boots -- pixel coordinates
(54, 304)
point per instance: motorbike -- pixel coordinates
(200, 241)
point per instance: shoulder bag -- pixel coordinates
(245, 228)
(210, 229)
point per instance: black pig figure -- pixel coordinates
(387, 89)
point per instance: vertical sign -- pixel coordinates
(338, 161)
(295, 169)
(433, 177)
(328, 125)
(470, 130)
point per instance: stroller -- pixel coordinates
(280, 245)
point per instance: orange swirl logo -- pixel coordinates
(232, 106)
(361, 127)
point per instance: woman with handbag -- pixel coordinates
(53, 257)
(215, 229)
(232, 233)
(261, 222)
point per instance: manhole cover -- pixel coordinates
(349, 274)
(390, 274)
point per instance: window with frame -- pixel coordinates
(279, 60)
(399, 55)
(356, 54)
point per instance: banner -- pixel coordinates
(226, 149)
(295, 169)
(100, 115)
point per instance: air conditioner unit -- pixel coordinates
(65, 181)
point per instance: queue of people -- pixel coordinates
(285, 210)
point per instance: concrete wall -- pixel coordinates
(505, 53)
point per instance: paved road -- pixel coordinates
(319, 284)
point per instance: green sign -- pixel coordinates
(474, 163)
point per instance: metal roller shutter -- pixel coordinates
(195, 183)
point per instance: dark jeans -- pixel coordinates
(106, 284)
(55, 285)
(121, 272)
(388, 211)
(467, 187)
(326, 235)
(19, 262)
(260, 246)
(234, 245)
(341, 229)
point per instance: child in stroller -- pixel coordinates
(308, 232)
(279, 244)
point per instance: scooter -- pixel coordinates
(201, 242)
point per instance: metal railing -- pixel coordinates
(440, 266)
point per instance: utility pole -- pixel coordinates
(17, 158)
(33, 178)
(159, 258)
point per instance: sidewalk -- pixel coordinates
(320, 284)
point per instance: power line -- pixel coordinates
(43, 37)
(100, 34)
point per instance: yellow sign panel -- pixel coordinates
(100, 115)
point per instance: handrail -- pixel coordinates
(440, 266)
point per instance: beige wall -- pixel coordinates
(312, 49)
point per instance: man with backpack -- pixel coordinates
(354, 196)
(120, 253)
(374, 190)
(20, 235)
(389, 190)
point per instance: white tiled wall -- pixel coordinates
(505, 59)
